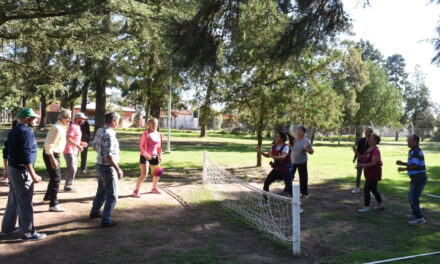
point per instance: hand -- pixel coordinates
(54, 164)
(147, 157)
(83, 144)
(359, 166)
(120, 173)
(354, 149)
(270, 154)
(306, 145)
(400, 169)
(80, 148)
(36, 178)
(160, 159)
(5, 175)
(354, 160)
(400, 163)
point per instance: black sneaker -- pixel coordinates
(16, 230)
(106, 225)
(37, 236)
(92, 216)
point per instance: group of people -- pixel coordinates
(71, 139)
(288, 157)
(369, 161)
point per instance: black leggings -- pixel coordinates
(54, 181)
(303, 177)
(371, 186)
(276, 175)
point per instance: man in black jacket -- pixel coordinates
(362, 146)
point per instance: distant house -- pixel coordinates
(180, 119)
(127, 113)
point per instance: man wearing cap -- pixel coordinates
(53, 145)
(74, 145)
(21, 154)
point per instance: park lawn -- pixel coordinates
(333, 232)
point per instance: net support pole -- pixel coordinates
(205, 167)
(296, 225)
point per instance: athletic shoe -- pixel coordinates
(410, 217)
(364, 210)
(381, 206)
(106, 225)
(416, 222)
(155, 190)
(56, 208)
(70, 189)
(301, 211)
(92, 216)
(37, 236)
(357, 190)
(84, 171)
(16, 230)
(304, 196)
(136, 194)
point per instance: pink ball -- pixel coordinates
(157, 171)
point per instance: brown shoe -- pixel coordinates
(105, 225)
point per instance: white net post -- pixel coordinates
(296, 226)
(205, 167)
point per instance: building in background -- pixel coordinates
(180, 119)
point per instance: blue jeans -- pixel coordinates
(21, 192)
(107, 192)
(415, 191)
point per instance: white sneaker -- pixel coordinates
(417, 222)
(301, 210)
(381, 206)
(364, 210)
(357, 190)
(410, 217)
(56, 208)
(84, 171)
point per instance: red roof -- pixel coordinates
(176, 113)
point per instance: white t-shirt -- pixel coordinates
(285, 149)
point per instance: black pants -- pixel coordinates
(303, 177)
(276, 175)
(84, 158)
(54, 181)
(371, 186)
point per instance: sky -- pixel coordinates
(400, 26)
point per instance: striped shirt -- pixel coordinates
(106, 144)
(417, 158)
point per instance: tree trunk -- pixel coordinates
(206, 109)
(358, 133)
(259, 144)
(23, 101)
(84, 96)
(101, 97)
(397, 136)
(313, 136)
(43, 102)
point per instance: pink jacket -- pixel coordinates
(148, 146)
(74, 133)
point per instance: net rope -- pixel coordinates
(267, 211)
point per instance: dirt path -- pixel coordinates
(166, 228)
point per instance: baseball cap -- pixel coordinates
(80, 115)
(27, 112)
